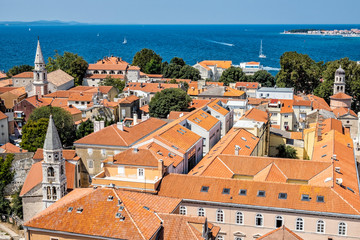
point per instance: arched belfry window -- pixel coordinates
(50, 172)
(62, 170)
(48, 193)
(54, 193)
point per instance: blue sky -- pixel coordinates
(184, 11)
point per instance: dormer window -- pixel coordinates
(305, 197)
(261, 193)
(204, 189)
(320, 198)
(242, 192)
(226, 191)
(282, 195)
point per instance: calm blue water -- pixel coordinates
(191, 42)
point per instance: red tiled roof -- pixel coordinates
(103, 76)
(11, 148)
(280, 233)
(129, 99)
(67, 154)
(145, 108)
(339, 112)
(248, 85)
(136, 157)
(175, 114)
(219, 64)
(113, 136)
(257, 115)
(24, 75)
(149, 87)
(2, 116)
(341, 95)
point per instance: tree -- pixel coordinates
(298, 71)
(63, 122)
(171, 71)
(171, 99)
(115, 82)
(16, 204)
(178, 61)
(33, 134)
(6, 176)
(84, 129)
(264, 78)
(143, 60)
(286, 151)
(233, 74)
(188, 72)
(19, 69)
(70, 63)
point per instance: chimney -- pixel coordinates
(102, 124)
(135, 119)
(120, 126)
(161, 167)
(159, 85)
(136, 150)
(96, 126)
(237, 148)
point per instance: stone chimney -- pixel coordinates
(237, 149)
(161, 167)
(159, 85)
(135, 119)
(96, 126)
(120, 126)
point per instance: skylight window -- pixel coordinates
(147, 208)
(180, 132)
(324, 146)
(110, 198)
(320, 198)
(204, 189)
(70, 209)
(118, 215)
(242, 192)
(226, 191)
(323, 155)
(247, 146)
(305, 197)
(121, 208)
(261, 193)
(79, 210)
(282, 195)
(350, 189)
(175, 147)
(243, 138)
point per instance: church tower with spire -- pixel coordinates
(40, 83)
(54, 184)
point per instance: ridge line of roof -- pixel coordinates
(332, 189)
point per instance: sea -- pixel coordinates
(193, 43)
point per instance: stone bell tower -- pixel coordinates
(40, 83)
(53, 167)
(339, 81)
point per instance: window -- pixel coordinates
(342, 228)
(121, 170)
(286, 115)
(90, 151)
(201, 212)
(239, 218)
(242, 192)
(54, 193)
(91, 163)
(279, 221)
(320, 226)
(50, 172)
(320, 198)
(238, 238)
(103, 152)
(48, 193)
(182, 210)
(261, 193)
(220, 237)
(226, 191)
(282, 195)
(259, 220)
(220, 215)
(299, 224)
(305, 197)
(204, 189)
(141, 173)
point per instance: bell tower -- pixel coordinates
(53, 167)
(40, 83)
(339, 81)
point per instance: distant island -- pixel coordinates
(40, 23)
(344, 33)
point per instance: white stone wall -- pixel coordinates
(4, 131)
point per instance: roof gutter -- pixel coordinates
(274, 209)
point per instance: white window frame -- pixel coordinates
(90, 151)
(299, 224)
(343, 228)
(121, 170)
(239, 218)
(141, 173)
(320, 224)
(201, 212)
(279, 218)
(220, 216)
(259, 215)
(183, 210)
(103, 152)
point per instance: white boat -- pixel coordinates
(125, 41)
(29, 29)
(261, 55)
(98, 35)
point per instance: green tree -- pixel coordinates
(264, 78)
(62, 119)
(231, 75)
(19, 69)
(115, 82)
(298, 71)
(285, 151)
(70, 63)
(188, 72)
(84, 129)
(171, 99)
(33, 134)
(6, 176)
(143, 60)
(178, 61)
(16, 204)
(171, 71)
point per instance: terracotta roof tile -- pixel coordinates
(219, 64)
(103, 76)
(257, 115)
(137, 157)
(129, 99)
(280, 233)
(248, 85)
(24, 75)
(67, 154)
(169, 158)
(199, 103)
(145, 108)
(215, 106)
(11, 148)
(59, 77)
(339, 112)
(87, 97)
(149, 87)
(203, 120)
(2, 116)
(175, 114)
(341, 95)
